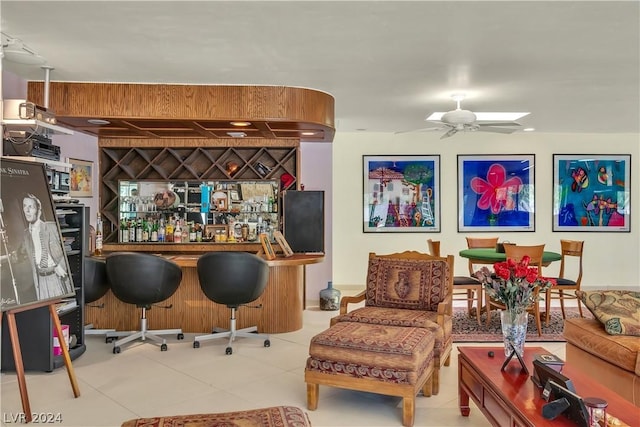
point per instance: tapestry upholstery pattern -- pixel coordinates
(406, 318)
(617, 310)
(406, 283)
(386, 353)
(276, 416)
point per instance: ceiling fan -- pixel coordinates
(460, 120)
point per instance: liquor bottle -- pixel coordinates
(98, 250)
(177, 233)
(198, 233)
(162, 231)
(132, 231)
(154, 231)
(124, 229)
(139, 230)
(185, 231)
(192, 232)
(168, 236)
(145, 230)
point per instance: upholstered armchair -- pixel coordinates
(408, 289)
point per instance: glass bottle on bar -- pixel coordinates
(98, 250)
(154, 231)
(132, 231)
(139, 230)
(124, 231)
(161, 231)
(177, 233)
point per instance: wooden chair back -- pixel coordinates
(479, 242)
(535, 252)
(571, 248)
(434, 247)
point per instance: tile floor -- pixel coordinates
(142, 381)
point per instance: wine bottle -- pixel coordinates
(98, 250)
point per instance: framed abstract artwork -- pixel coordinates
(496, 192)
(401, 194)
(591, 192)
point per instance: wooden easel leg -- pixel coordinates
(65, 350)
(17, 360)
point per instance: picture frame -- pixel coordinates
(401, 194)
(266, 246)
(25, 198)
(284, 245)
(591, 192)
(80, 178)
(496, 192)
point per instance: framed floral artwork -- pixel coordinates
(401, 194)
(591, 192)
(496, 192)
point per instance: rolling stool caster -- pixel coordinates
(228, 350)
(196, 344)
(181, 336)
(116, 350)
(164, 347)
(267, 343)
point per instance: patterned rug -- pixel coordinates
(466, 329)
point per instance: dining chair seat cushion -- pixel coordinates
(406, 283)
(402, 317)
(465, 280)
(564, 282)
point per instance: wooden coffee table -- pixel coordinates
(510, 398)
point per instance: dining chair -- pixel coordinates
(479, 242)
(469, 287)
(516, 253)
(569, 248)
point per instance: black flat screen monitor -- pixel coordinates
(577, 411)
(543, 373)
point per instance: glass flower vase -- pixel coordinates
(329, 298)
(514, 330)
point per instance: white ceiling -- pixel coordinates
(574, 65)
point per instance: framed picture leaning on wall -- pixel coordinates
(401, 194)
(591, 192)
(34, 266)
(496, 192)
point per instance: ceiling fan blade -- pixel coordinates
(419, 130)
(449, 133)
(498, 123)
(495, 129)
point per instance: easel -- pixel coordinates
(508, 359)
(17, 353)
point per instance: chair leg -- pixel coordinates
(547, 306)
(312, 396)
(538, 322)
(561, 295)
(579, 306)
(469, 301)
(479, 306)
(408, 410)
(488, 313)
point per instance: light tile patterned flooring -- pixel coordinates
(142, 381)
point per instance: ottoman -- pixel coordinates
(390, 360)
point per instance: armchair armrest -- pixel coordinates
(444, 307)
(350, 300)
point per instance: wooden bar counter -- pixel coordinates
(282, 302)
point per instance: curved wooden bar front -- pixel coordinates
(281, 311)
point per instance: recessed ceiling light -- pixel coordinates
(99, 122)
(241, 124)
(308, 133)
(528, 129)
(236, 134)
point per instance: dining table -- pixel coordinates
(491, 256)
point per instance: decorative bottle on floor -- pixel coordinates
(329, 298)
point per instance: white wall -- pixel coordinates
(315, 174)
(610, 259)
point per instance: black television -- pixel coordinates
(576, 411)
(542, 373)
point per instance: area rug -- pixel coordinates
(466, 328)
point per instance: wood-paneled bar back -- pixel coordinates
(189, 132)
